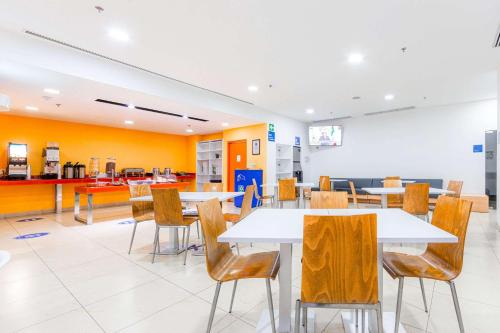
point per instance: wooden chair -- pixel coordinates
(224, 266)
(354, 195)
(456, 187)
(329, 200)
(286, 191)
(394, 200)
(393, 177)
(261, 198)
(141, 210)
(440, 261)
(168, 214)
(246, 206)
(339, 265)
(213, 187)
(416, 199)
(324, 183)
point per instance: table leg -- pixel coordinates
(77, 206)
(383, 199)
(276, 196)
(90, 209)
(285, 280)
(58, 201)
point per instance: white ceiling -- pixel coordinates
(300, 47)
(25, 85)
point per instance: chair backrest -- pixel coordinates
(416, 198)
(141, 210)
(339, 259)
(353, 192)
(286, 189)
(212, 225)
(256, 189)
(393, 181)
(213, 187)
(456, 187)
(246, 204)
(167, 206)
(452, 215)
(329, 200)
(324, 183)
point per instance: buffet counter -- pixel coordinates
(39, 196)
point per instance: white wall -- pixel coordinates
(422, 143)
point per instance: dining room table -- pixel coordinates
(384, 191)
(188, 197)
(285, 227)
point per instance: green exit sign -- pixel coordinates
(271, 127)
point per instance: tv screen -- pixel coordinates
(325, 135)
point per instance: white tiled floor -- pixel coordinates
(80, 279)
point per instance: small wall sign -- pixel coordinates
(256, 147)
(271, 128)
(477, 148)
(297, 141)
(271, 136)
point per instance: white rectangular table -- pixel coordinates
(173, 245)
(384, 191)
(285, 226)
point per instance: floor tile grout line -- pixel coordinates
(61, 282)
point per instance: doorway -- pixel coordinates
(236, 159)
(490, 156)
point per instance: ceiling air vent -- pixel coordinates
(53, 40)
(496, 42)
(389, 111)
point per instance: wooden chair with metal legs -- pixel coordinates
(141, 211)
(286, 191)
(442, 262)
(456, 187)
(329, 200)
(324, 183)
(261, 198)
(213, 187)
(246, 206)
(168, 214)
(225, 266)
(339, 265)
(354, 195)
(416, 200)
(394, 200)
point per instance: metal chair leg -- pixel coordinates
(356, 317)
(270, 304)
(363, 321)
(304, 318)
(380, 319)
(457, 306)
(214, 306)
(132, 239)
(423, 294)
(198, 228)
(155, 244)
(232, 296)
(237, 249)
(186, 246)
(398, 306)
(296, 328)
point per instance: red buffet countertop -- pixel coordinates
(39, 181)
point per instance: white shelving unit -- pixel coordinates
(208, 162)
(284, 161)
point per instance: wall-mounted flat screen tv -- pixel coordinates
(325, 135)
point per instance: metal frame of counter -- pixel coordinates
(91, 190)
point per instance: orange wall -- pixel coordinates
(79, 142)
(248, 133)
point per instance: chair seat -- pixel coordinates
(406, 265)
(231, 217)
(145, 217)
(257, 265)
(188, 220)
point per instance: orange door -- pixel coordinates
(237, 159)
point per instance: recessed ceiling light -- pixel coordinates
(52, 91)
(356, 97)
(253, 88)
(389, 97)
(129, 122)
(118, 35)
(131, 106)
(31, 108)
(185, 116)
(355, 58)
(310, 111)
(189, 130)
(225, 124)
